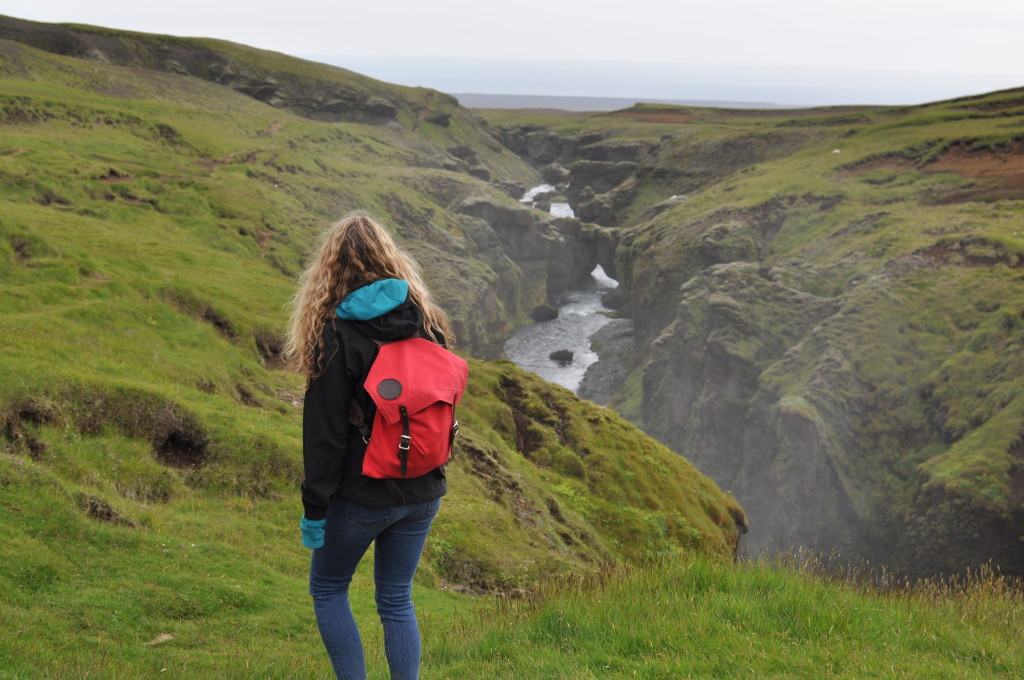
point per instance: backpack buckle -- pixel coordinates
(404, 442)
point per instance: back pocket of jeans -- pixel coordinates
(368, 517)
(432, 506)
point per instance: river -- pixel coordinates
(580, 315)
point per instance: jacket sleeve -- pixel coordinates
(325, 430)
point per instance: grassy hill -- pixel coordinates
(152, 224)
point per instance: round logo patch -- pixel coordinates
(389, 389)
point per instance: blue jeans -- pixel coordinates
(399, 534)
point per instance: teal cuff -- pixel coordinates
(312, 532)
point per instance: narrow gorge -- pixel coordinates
(811, 297)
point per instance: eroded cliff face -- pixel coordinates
(822, 413)
(553, 254)
(818, 411)
(710, 389)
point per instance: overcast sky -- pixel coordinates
(973, 45)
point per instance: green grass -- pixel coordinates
(697, 619)
(212, 589)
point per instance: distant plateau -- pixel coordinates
(475, 100)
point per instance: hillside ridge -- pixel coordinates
(152, 230)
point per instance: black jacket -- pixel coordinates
(332, 447)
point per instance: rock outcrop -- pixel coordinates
(536, 144)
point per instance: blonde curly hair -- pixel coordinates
(353, 252)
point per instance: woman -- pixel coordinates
(359, 289)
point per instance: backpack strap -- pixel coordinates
(356, 416)
(357, 419)
(405, 441)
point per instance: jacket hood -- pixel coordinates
(373, 300)
(382, 310)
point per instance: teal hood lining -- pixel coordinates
(373, 300)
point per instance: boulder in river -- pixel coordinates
(544, 313)
(614, 299)
(561, 355)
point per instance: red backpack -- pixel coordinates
(415, 384)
